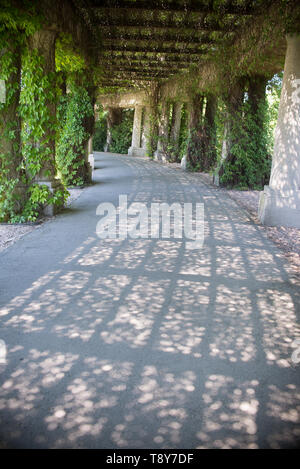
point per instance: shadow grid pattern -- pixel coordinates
(143, 343)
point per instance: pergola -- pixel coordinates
(141, 41)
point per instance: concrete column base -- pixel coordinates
(91, 161)
(50, 210)
(183, 163)
(216, 178)
(278, 208)
(136, 151)
(159, 156)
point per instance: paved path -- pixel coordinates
(143, 343)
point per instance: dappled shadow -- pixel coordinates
(143, 343)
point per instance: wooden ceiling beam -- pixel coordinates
(186, 7)
(153, 38)
(156, 50)
(198, 24)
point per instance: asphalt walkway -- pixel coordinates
(142, 343)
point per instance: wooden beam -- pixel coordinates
(129, 21)
(156, 50)
(120, 68)
(127, 58)
(189, 6)
(153, 31)
(117, 38)
(151, 65)
(140, 73)
(147, 63)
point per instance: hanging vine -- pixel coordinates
(13, 182)
(75, 111)
(37, 102)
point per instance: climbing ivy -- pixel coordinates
(26, 150)
(100, 135)
(16, 24)
(38, 90)
(121, 133)
(67, 57)
(12, 176)
(152, 137)
(38, 100)
(22, 19)
(74, 110)
(248, 163)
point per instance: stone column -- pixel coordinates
(176, 122)
(135, 148)
(146, 128)
(90, 145)
(151, 120)
(13, 183)
(89, 125)
(234, 102)
(210, 133)
(280, 201)
(114, 117)
(195, 108)
(43, 41)
(108, 130)
(91, 158)
(163, 133)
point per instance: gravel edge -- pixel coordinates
(10, 234)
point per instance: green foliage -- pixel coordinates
(122, 133)
(39, 196)
(9, 198)
(152, 138)
(23, 18)
(74, 110)
(201, 149)
(184, 133)
(11, 171)
(38, 93)
(21, 198)
(100, 134)
(67, 58)
(249, 163)
(274, 87)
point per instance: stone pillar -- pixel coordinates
(89, 125)
(163, 133)
(146, 127)
(195, 108)
(280, 201)
(108, 131)
(210, 133)
(135, 148)
(13, 183)
(151, 120)
(43, 42)
(90, 145)
(114, 117)
(176, 122)
(234, 102)
(91, 158)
